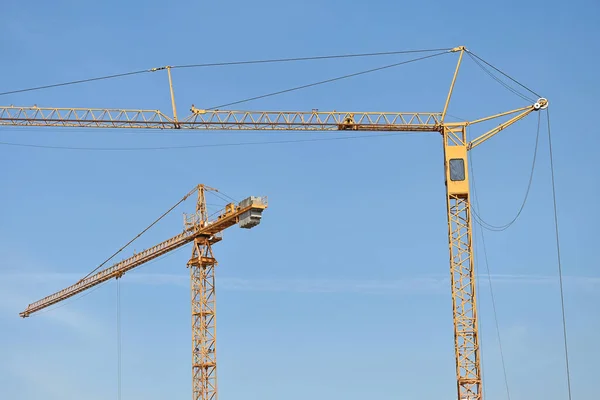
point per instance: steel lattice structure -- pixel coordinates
(204, 331)
(203, 233)
(462, 271)
(219, 119)
(202, 263)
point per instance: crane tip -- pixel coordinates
(541, 104)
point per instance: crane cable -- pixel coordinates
(495, 312)
(278, 60)
(476, 215)
(559, 262)
(479, 222)
(244, 101)
(560, 275)
(499, 228)
(218, 64)
(506, 75)
(506, 86)
(328, 80)
(73, 82)
(91, 290)
(485, 225)
(141, 233)
(287, 141)
(222, 196)
(475, 255)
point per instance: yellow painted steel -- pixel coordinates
(461, 49)
(172, 95)
(203, 232)
(540, 104)
(462, 271)
(204, 331)
(202, 263)
(220, 119)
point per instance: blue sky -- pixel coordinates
(343, 290)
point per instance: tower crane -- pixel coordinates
(455, 163)
(203, 232)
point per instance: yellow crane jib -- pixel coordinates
(202, 232)
(248, 213)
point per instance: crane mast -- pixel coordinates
(462, 271)
(198, 229)
(202, 284)
(203, 232)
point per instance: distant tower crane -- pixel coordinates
(203, 233)
(455, 144)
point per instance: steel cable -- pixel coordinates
(217, 64)
(499, 228)
(327, 81)
(558, 255)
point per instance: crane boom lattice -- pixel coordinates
(219, 119)
(204, 233)
(204, 337)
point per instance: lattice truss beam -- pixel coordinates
(114, 271)
(202, 263)
(204, 359)
(464, 301)
(220, 119)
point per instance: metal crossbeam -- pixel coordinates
(220, 119)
